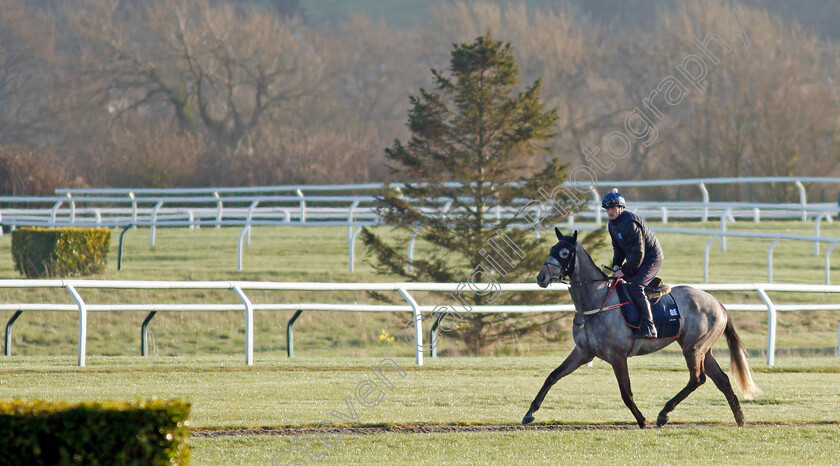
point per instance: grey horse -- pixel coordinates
(702, 318)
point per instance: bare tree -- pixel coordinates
(769, 109)
(26, 58)
(218, 71)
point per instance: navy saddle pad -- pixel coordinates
(666, 315)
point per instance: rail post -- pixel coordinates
(72, 208)
(82, 323)
(290, 335)
(249, 326)
(770, 260)
(154, 222)
(352, 244)
(239, 248)
(817, 221)
(219, 209)
(248, 220)
(597, 200)
(350, 219)
(706, 259)
(803, 199)
(445, 211)
(411, 247)
(418, 326)
(54, 212)
(144, 334)
(771, 327)
(302, 206)
(828, 263)
(727, 214)
(705, 193)
(120, 249)
(433, 337)
(8, 348)
(133, 209)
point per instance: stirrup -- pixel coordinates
(646, 335)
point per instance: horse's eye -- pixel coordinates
(564, 253)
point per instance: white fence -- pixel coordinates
(354, 207)
(404, 289)
(301, 204)
(776, 237)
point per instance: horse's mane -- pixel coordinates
(583, 259)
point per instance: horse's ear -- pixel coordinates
(574, 237)
(559, 235)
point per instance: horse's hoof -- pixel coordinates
(661, 420)
(527, 419)
(642, 424)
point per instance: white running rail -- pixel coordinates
(114, 207)
(238, 289)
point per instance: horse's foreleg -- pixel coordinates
(722, 383)
(576, 359)
(697, 377)
(623, 377)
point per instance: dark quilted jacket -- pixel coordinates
(633, 243)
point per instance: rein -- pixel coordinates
(602, 308)
(565, 277)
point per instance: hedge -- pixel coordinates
(60, 252)
(35, 432)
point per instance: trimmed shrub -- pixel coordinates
(60, 252)
(113, 432)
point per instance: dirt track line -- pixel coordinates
(434, 429)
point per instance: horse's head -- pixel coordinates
(561, 259)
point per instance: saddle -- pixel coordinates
(656, 289)
(666, 314)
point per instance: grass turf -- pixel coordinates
(795, 420)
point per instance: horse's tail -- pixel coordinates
(738, 365)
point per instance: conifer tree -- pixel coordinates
(478, 147)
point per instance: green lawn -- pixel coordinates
(457, 391)
(700, 445)
(484, 390)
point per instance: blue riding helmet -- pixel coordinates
(613, 199)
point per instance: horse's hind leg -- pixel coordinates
(623, 377)
(574, 360)
(722, 383)
(696, 377)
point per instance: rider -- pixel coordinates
(637, 248)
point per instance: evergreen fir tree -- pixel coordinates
(477, 145)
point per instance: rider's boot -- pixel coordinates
(646, 327)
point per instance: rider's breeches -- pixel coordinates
(636, 286)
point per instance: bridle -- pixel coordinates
(564, 273)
